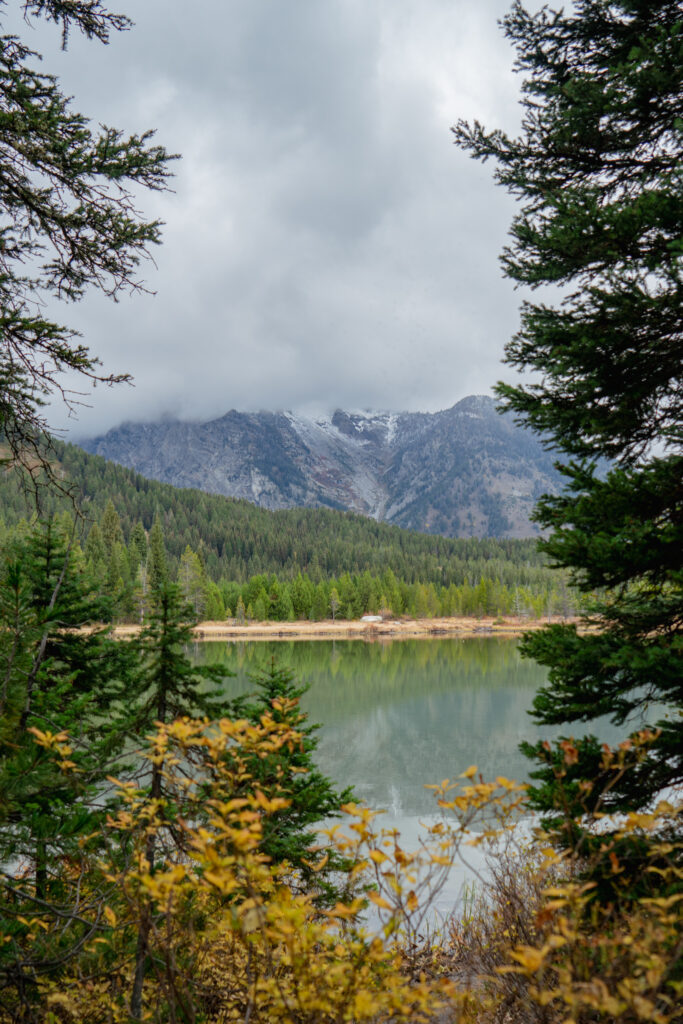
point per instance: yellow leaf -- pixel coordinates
(505, 783)
(319, 866)
(60, 998)
(643, 1007)
(252, 919)
(379, 901)
(364, 1003)
(529, 957)
(110, 916)
(342, 910)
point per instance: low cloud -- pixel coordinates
(326, 244)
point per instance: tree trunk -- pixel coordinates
(41, 869)
(142, 947)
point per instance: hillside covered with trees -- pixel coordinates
(234, 559)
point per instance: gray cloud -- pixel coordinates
(325, 244)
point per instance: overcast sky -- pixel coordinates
(326, 244)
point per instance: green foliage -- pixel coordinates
(598, 172)
(288, 834)
(75, 707)
(243, 795)
(238, 540)
(212, 545)
(166, 684)
(59, 677)
(334, 602)
(157, 568)
(193, 582)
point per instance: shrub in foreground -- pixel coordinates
(231, 936)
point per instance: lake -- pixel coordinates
(399, 714)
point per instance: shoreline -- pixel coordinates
(392, 629)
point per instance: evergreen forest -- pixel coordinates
(235, 560)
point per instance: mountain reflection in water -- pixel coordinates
(397, 715)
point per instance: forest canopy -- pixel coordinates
(234, 558)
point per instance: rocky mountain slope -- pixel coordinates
(466, 471)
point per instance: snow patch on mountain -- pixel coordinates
(464, 471)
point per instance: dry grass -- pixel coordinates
(393, 629)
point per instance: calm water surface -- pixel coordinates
(397, 715)
(400, 714)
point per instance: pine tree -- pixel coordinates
(110, 526)
(334, 603)
(215, 609)
(141, 593)
(57, 678)
(289, 834)
(137, 547)
(321, 604)
(95, 550)
(301, 592)
(282, 609)
(157, 567)
(167, 686)
(192, 581)
(598, 172)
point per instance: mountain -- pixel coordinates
(465, 471)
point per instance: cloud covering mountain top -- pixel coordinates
(326, 245)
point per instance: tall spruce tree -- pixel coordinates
(60, 675)
(157, 567)
(598, 168)
(167, 686)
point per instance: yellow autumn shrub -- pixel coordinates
(230, 937)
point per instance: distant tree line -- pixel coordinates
(130, 565)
